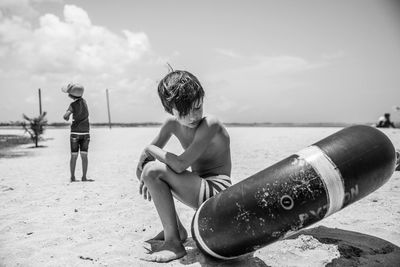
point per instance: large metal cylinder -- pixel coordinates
(294, 193)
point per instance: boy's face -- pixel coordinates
(193, 119)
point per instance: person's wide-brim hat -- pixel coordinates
(73, 89)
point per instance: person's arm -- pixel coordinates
(179, 163)
(159, 141)
(68, 113)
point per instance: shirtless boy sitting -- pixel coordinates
(164, 175)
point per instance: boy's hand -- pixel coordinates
(66, 115)
(143, 160)
(144, 191)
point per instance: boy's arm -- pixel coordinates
(164, 134)
(68, 113)
(159, 141)
(207, 130)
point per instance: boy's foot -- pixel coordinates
(73, 179)
(167, 252)
(183, 235)
(87, 180)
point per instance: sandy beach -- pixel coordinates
(47, 221)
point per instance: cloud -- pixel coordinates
(22, 8)
(283, 64)
(76, 15)
(259, 69)
(70, 45)
(50, 51)
(17, 7)
(333, 55)
(270, 66)
(259, 80)
(228, 52)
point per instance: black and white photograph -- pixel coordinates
(199, 133)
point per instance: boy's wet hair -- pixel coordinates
(180, 90)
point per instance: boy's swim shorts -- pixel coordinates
(79, 142)
(212, 185)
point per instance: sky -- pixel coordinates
(258, 61)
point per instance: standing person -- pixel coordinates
(80, 136)
(164, 175)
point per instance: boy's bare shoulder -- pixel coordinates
(212, 121)
(170, 124)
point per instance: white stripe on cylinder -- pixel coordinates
(200, 239)
(207, 187)
(201, 194)
(329, 174)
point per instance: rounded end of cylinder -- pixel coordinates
(202, 245)
(364, 155)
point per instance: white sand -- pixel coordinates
(46, 221)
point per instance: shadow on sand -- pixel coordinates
(12, 153)
(194, 255)
(355, 249)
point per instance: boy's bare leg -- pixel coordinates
(183, 235)
(72, 165)
(163, 200)
(160, 180)
(84, 158)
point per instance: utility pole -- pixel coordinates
(40, 102)
(108, 108)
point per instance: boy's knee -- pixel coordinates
(153, 170)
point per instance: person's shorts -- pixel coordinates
(212, 185)
(79, 142)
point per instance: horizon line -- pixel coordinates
(152, 123)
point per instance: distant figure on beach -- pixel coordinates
(164, 175)
(385, 122)
(80, 137)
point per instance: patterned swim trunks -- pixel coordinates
(212, 185)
